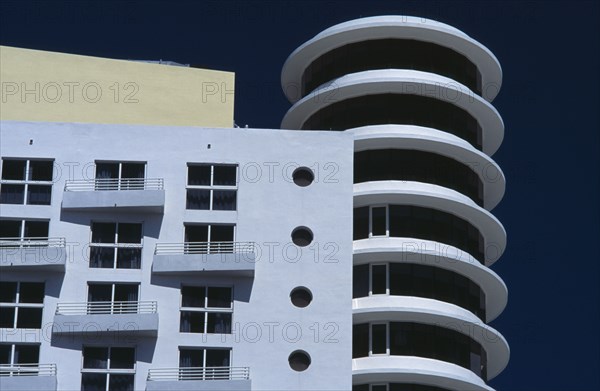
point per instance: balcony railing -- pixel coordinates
(199, 373)
(107, 307)
(28, 370)
(204, 248)
(15, 243)
(115, 184)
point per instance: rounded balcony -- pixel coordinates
(427, 212)
(418, 43)
(402, 97)
(427, 253)
(371, 139)
(414, 370)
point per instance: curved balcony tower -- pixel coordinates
(416, 94)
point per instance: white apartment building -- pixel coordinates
(348, 250)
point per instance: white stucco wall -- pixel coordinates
(269, 207)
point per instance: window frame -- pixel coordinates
(211, 187)
(26, 181)
(205, 309)
(17, 304)
(387, 220)
(204, 349)
(108, 371)
(13, 347)
(116, 245)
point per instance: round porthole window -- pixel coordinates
(302, 236)
(303, 176)
(299, 361)
(301, 297)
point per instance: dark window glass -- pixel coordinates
(102, 257)
(360, 387)
(217, 358)
(361, 223)
(379, 387)
(13, 170)
(224, 199)
(429, 341)
(391, 53)
(36, 229)
(378, 221)
(193, 296)
(378, 338)
(126, 292)
(29, 318)
(191, 358)
(95, 358)
(5, 353)
(196, 233)
(225, 176)
(31, 292)
(8, 292)
(99, 292)
(93, 382)
(130, 233)
(401, 109)
(129, 258)
(191, 322)
(122, 358)
(197, 199)
(420, 166)
(10, 228)
(12, 194)
(221, 233)
(121, 382)
(360, 281)
(104, 232)
(7, 317)
(199, 175)
(41, 170)
(39, 194)
(379, 279)
(27, 354)
(360, 340)
(107, 170)
(133, 170)
(219, 297)
(219, 323)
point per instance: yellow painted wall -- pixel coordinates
(57, 87)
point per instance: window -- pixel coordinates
(108, 368)
(407, 279)
(421, 223)
(397, 387)
(379, 222)
(26, 181)
(120, 175)
(421, 340)
(204, 358)
(13, 355)
(116, 245)
(23, 231)
(209, 238)
(121, 298)
(206, 309)
(21, 304)
(212, 187)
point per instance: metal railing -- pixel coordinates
(204, 248)
(13, 243)
(114, 184)
(199, 373)
(28, 370)
(107, 307)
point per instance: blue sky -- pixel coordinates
(549, 103)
